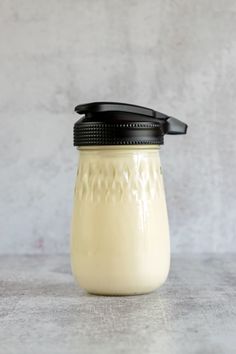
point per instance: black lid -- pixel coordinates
(112, 123)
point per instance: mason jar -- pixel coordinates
(120, 235)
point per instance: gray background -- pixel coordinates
(176, 56)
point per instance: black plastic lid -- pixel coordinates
(112, 123)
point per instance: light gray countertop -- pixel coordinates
(41, 310)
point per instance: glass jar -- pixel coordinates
(120, 236)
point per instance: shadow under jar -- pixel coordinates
(120, 236)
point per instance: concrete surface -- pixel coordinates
(42, 311)
(176, 56)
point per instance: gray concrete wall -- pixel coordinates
(176, 56)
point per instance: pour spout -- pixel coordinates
(175, 126)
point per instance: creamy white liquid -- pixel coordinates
(120, 238)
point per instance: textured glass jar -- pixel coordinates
(120, 236)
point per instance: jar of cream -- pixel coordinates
(120, 237)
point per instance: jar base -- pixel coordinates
(132, 288)
(130, 292)
(97, 293)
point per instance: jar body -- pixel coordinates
(120, 235)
